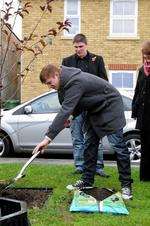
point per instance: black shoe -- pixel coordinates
(81, 185)
(101, 173)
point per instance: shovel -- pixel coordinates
(8, 183)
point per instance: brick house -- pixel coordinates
(115, 29)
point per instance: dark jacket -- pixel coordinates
(96, 64)
(80, 91)
(141, 101)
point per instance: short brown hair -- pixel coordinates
(146, 47)
(80, 38)
(48, 71)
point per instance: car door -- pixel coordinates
(32, 127)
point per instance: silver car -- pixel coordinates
(24, 126)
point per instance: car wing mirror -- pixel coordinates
(28, 109)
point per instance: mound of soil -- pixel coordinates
(34, 197)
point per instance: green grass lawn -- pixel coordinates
(56, 209)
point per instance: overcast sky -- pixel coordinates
(18, 25)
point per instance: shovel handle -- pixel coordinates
(20, 174)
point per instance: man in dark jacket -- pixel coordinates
(80, 91)
(93, 64)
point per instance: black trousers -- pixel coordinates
(91, 150)
(145, 156)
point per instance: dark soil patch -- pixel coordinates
(99, 193)
(34, 197)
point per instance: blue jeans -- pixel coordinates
(78, 140)
(91, 150)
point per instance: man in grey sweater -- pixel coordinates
(80, 91)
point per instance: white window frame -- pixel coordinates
(124, 71)
(78, 16)
(112, 17)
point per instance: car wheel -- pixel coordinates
(133, 142)
(5, 145)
